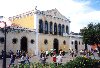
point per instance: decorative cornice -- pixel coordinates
(14, 29)
(47, 13)
(29, 13)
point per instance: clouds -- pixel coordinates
(74, 10)
(82, 19)
(94, 4)
(79, 12)
(2, 24)
(14, 7)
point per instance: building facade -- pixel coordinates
(18, 38)
(48, 29)
(76, 42)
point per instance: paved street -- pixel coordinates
(66, 58)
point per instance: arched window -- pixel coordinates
(59, 29)
(76, 44)
(46, 27)
(2, 39)
(55, 29)
(63, 29)
(72, 42)
(32, 41)
(46, 41)
(51, 27)
(40, 26)
(64, 42)
(79, 42)
(67, 30)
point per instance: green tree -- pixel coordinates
(91, 35)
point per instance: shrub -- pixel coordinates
(81, 62)
(78, 62)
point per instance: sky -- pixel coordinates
(80, 12)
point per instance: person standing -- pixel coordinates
(54, 58)
(11, 52)
(27, 59)
(43, 58)
(72, 52)
(59, 59)
(47, 54)
(69, 52)
(2, 52)
(22, 59)
(17, 55)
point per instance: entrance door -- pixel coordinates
(24, 44)
(56, 45)
(76, 45)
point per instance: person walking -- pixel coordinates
(22, 59)
(12, 59)
(27, 59)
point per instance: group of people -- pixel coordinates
(89, 53)
(22, 56)
(56, 57)
(86, 53)
(73, 53)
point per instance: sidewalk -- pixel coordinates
(66, 58)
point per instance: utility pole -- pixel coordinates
(4, 53)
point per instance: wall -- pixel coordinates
(15, 47)
(50, 39)
(78, 39)
(59, 19)
(25, 21)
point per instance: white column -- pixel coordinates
(36, 21)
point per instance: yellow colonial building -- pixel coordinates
(38, 31)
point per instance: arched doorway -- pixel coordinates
(56, 45)
(76, 45)
(23, 44)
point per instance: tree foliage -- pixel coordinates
(91, 34)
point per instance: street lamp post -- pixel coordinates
(4, 52)
(4, 59)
